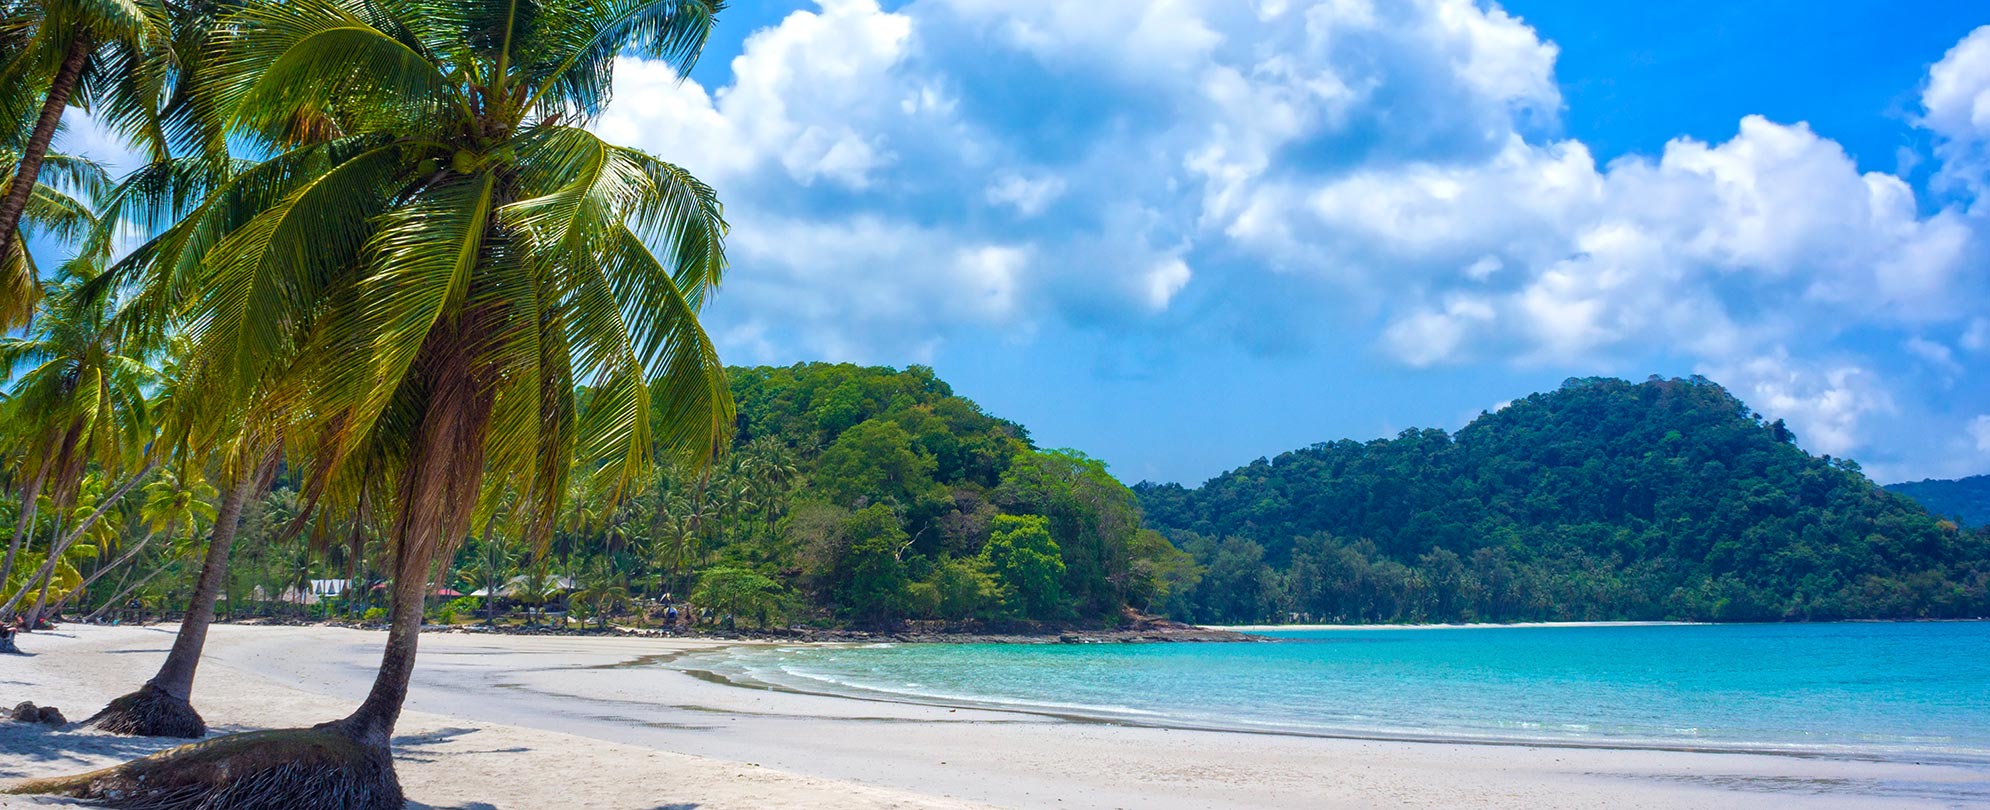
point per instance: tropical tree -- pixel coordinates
(449, 253)
(489, 569)
(113, 55)
(601, 591)
(77, 398)
(239, 440)
(537, 588)
(54, 206)
(671, 547)
(732, 592)
(170, 503)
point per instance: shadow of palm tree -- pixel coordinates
(32, 748)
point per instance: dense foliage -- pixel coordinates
(1965, 499)
(1604, 500)
(853, 496)
(911, 503)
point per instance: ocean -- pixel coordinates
(1914, 691)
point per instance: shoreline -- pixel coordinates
(1477, 625)
(500, 721)
(1975, 761)
(1101, 716)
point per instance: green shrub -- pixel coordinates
(373, 614)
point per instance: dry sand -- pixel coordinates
(557, 722)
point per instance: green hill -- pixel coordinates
(899, 500)
(1966, 499)
(1603, 500)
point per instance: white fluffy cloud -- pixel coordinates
(1957, 105)
(898, 178)
(1979, 431)
(1668, 248)
(1825, 403)
(806, 97)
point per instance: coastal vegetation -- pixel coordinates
(872, 498)
(1603, 500)
(385, 260)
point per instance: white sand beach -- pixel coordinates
(571, 722)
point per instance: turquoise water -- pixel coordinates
(1891, 690)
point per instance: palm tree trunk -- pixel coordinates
(119, 598)
(41, 576)
(176, 676)
(29, 171)
(56, 609)
(438, 493)
(163, 707)
(59, 545)
(119, 588)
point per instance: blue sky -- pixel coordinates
(1183, 234)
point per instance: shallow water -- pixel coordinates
(1906, 690)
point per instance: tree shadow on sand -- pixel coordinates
(420, 747)
(36, 749)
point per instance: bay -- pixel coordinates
(1887, 690)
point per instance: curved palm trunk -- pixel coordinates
(29, 171)
(438, 491)
(56, 550)
(56, 609)
(163, 707)
(59, 545)
(119, 598)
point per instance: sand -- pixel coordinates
(556, 722)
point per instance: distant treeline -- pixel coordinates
(1965, 499)
(852, 496)
(1603, 500)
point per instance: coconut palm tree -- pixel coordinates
(77, 398)
(55, 207)
(113, 55)
(489, 569)
(536, 588)
(602, 590)
(238, 442)
(437, 257)
(170, 503)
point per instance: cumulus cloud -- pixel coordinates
(1979, 431)
(1825, 403)
(898, 179)
(1956, 101)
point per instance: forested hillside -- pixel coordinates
(1603, 500)
(1966, 499)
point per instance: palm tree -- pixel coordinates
(54, 206)
(170, 503)
(536, 587)
(115, 53)
(489, 570)
(236, 440)
(601, 590)
(77, 398)
(444, 255)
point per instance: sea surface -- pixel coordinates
(1897, 691)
